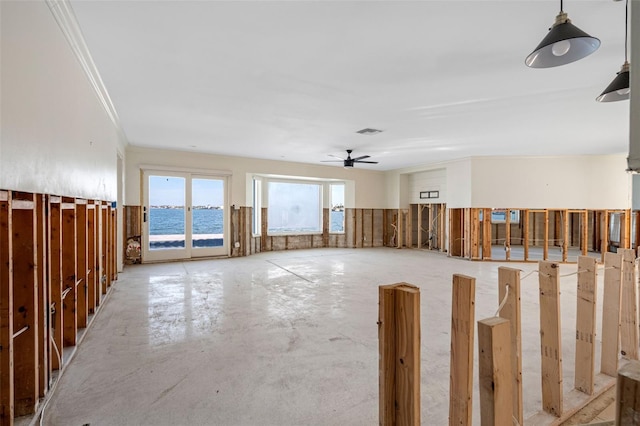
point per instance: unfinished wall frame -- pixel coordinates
(46, 245)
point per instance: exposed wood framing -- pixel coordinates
(43, 294)
(69, 273)
(629, 309)
(495, 377)
(81, 263)
(55, 283)
(611, 306)
(25, 304)
(507, 238)
(545, 248)
(509, 287)
(604, 236)
(92, 290)
(6, 311)
(462, 336)
(564, 215)
(584, 232)
(399, 346)
(550, 338)
(526, 235)
(486, 234)
(586, 325)
(475, 234)
(628, 394)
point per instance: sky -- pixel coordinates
(170, 191)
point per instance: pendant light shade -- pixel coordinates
(618, 90)
(565, 43)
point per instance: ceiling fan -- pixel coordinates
(349, 162)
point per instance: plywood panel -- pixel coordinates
(586, 325)
(611, 304)
(461, 364)
(550, 338)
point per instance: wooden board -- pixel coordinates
(55, 282)
(69, 308)
(91, 260)
(545, 247)
(512, 311)
(462, 336)
(25, 306)
(6, 311)
(525, 232)
(611, 304)
(584, 228)
(507, 238)
(628, 394)
(495, 376)
(399, 346)
(629, 309)
(586, 325)
(475, 234)
(564, 215)
(44, 369)
(550, 338)
(82, 265)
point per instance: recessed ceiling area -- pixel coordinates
(296, 80)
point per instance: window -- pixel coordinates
(257, 207)
(294, 207)
(336, 217)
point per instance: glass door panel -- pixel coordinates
(208, 216)
(166, 217)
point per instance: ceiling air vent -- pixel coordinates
(368, 131)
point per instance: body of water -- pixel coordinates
(171, 221)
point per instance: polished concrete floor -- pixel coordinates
(278, 338)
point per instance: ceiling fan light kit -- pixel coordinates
(349, 162)
(563, 44)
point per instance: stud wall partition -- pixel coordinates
(57, 263)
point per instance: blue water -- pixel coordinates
(171, 221)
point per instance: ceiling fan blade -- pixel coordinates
(369, 162)
(361, 158)
(332, 161)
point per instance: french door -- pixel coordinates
(183, 215)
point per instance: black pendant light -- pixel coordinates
(619, 90)
(565, 43)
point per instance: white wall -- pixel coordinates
(580, 182)
(369, 185)
(55, 136)
(432, 180)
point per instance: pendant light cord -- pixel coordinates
(626, 30)
(561, 8)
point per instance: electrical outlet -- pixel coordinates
(237, 245)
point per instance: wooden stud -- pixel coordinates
(326, 225)
(564, 218)
(399, 346)
(629, 309)
(628, 394)
(43, 295)
(586, 325)
(626, 232)
(69, 274)
(604, 245)
(6, 311)
(55, 281)
(408, 228)
(466, 232)
(525, 236)
(545, 248)
(495, 376)
(264, 228)
(442, 228)
(25, 305)
(104, 242)
(584, 228)
(400, 226)
(611, 304)
(486, 234)
(461, 365)
(507, 238)
(509, 277)
(420, 208)
(91, 258)
(82, 264)
(550, 338)
(475, 234)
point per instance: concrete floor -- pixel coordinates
(279, 338)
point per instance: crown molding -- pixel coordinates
(68, 23)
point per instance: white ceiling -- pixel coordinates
(295, 80)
